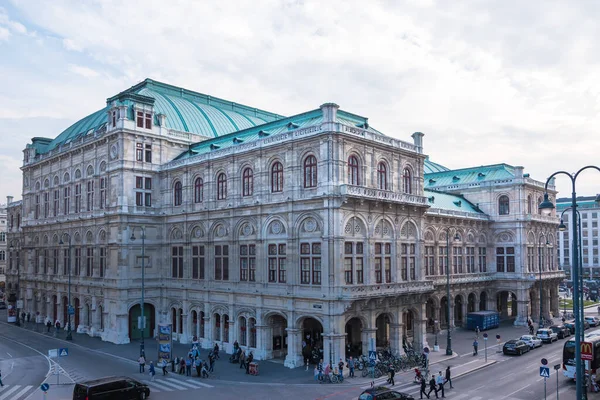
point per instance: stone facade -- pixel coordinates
(312, 230)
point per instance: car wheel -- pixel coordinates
(519, 352)
(142, 395)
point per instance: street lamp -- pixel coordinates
(69, 308)
(576, 231)
(546, 207)
(12, 249)
(449, 337)
(541, 324)
(142, 325)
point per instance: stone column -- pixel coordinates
(368, 334)
(231, 336)
(183, 335)
(420, 328)
(396, 337)
(463, 322)
(262, 351)
(294, 354)
(522, 307)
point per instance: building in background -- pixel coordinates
(281, 233)
(589, 208)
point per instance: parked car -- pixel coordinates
(515, 346)
(113, 387)
(2, 305)
(570, 325)
(531, 341)
(593, 321)
(546, 335)
(383, 393)
(561, 331)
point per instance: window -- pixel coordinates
(65, 262)
(77, 271)
(529, 204)
(46, 204)
(500, 259)
(90, 195)
(144, 196)
(139, 152)
(198, 262)
(102, 193)
(36, 261)
(310, 172)
(45, 261)
(89, 262)
(37, 206)
(353, 171)
(144, 120)
(407, 261)
(198, 190)
(429, 260)
(353, 261)
(247, 182)
(248, 262)
(510, 259)
(221, 186)
(383, 262)
(470, 257)
(443, 262)
(148, 152)
(2, 255)
(55, 204)
(276, 260)
(505, 259)
(277, 177)
(530, 258)
(177, 194)
(457, 260)
(503, 205)
(539, 202)
(102, 260)
(382, 176)
(114, 118)
(222, 262)
(310, 263)
(55, 261)
(177, 262)
(66, 200)
(407, 180)
(77, 198)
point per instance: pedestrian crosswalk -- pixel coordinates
(171, 384)
(15, 392)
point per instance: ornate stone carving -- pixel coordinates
(310, 225)
(198, 232)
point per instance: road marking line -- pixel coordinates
(9, 354)
(188, 383)
(22, 392)
(12, 389)
(170, 384)
(200, 383)
(154, 386)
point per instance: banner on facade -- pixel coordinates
(165, 343)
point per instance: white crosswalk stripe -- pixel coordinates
(12, 392)
(171, 384)
(190, 383)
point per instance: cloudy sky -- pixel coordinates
(486, 81)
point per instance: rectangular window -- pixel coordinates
(89, 262)
(46, 204)
(276, 263)
(77, 270)
(482, 259)
(148, 153)
(353, 260)
(252, 263)
(139, 199)
(310, 263)
(457, 260)
(383, 261)
(139, 152)
(66, 200)
(510, 259)
(102, 193)
(500, 259)
(90, 195)
(55, 261)
(77, 198)
(177, 262)
(222, 262)
(442, 260)
(530, 258)
(144, 196)
(139, 182)
(36, 213)
(36, 261)
(198, 262)
(102, 261)
(429, 260)
(348, 270)
(470, 257)
(45, 261)
(248, 262)
(56, 203)
(377, 263)
(65, 262)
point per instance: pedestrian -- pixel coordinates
(243, 359)
(320, 368)
(477, 331)
(432, 387)
(176, 365)
(1, 384)
(152, 371)
(164, 367)
(182, 366)
(448, 379)
(316, 373)
(216, 350)
(142, 363)
(440, 382)
(248, 362)
(48, 326)
(211, 360)
(188, 367)
(198, 365)
(351, 366)
(423, 387)
(391, 374)
(475, 344)
(28, 316)
(173, 365)
(341, 368)
(57, 325)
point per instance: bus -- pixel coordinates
(568, 363)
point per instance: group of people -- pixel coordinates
(323, 370)
(239, 355)
(436, 384)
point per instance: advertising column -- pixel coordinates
(165, 343)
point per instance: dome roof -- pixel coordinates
(186, 111)
(430, 167)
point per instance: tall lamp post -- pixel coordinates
(541, 282)
(576, 236)
(12, 249)
(449, 336)
(142, 324)
(546, 207)
(69, 307)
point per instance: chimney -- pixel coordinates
(418, 140)
(329, 112)
(519, 172)
(9, 200)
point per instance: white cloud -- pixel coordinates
(71, 44)
(4, 33)
(83, 71)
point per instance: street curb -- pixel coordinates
(491, 362)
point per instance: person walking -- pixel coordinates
(432, 388)
(182, 366)
(477, 332)
(341, 368)
(423, 387)
(391, 374)
(475, 345)
(243, 359)
(188, 367)
(142, 363)
(164, 367)
(152, 371)
(320, 368)
(211, 360)
(440, 382)
(48, 326)
(28, 316)
(198, 365)
(248, 362)
(351, 366)
(448, 379)
(216, 351)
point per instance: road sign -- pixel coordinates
(372, 356)
(19, 303)
(544, 361)
(52, 353)
(586, 351)
(71, 310)
(545, 372)
(557, 367)
(485, 336)
(44, 387)
(63, 352)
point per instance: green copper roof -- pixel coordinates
(451, 202)
(466, 176)
(430, 167)
(185, 110)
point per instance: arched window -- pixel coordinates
(538, 203)
(529, 204)
(407, 180)
(177, 194)
(503, 205)
(221, 186)
(277, 177)
(353, 170)
(382, 176)
(310, 172)
(247, 182)
(198, 190)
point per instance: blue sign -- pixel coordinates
(63, 352)
(545, 372)
(71, 310)
(372, 356)
(485, 336)
(45, 387)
